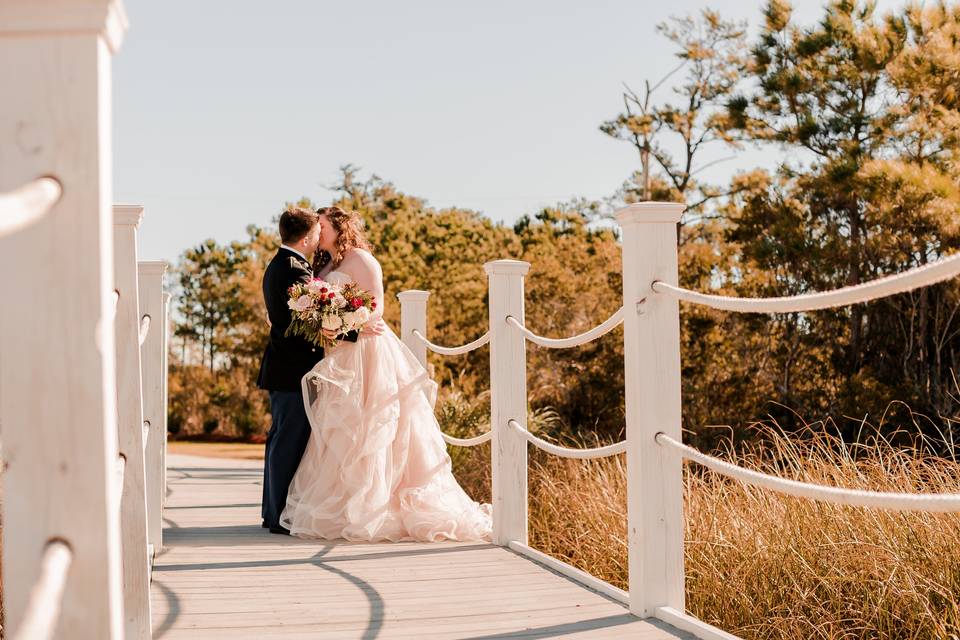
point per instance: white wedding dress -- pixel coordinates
(376, 466)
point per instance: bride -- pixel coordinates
(376, 466)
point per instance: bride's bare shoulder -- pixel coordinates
(362, 257)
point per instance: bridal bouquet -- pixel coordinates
(319, 305)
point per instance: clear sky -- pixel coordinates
(223, 109)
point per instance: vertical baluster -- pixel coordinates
(651, 354)
(508, 400)
(57, 358)
(154, 409)
(165, 401)
(413, 317)
(133, 509)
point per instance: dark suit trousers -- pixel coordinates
(286, 442)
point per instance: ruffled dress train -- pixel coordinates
(376, 466)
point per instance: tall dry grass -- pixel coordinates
(763, 565)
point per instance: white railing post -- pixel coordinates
(508, 400)
(165, 402)
(133, 507)
(651, 352)
(57, 364)
(154, 408)
(413, 317)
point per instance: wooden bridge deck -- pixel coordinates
(222, 576)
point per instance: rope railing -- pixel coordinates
(144, 328)
(921, 276)
(453, 351)
(467, 442)
(46, 596)
(567, 452)
(26, 205)
(574, 341)
(932, 502)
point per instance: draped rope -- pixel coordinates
(933, 502)
(561, 343)
(881, 287)
(467, 442)
(567, 452)
(453, 351)
(26, 205)
(46, 596)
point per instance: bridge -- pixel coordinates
(221, 575)
(106, 537)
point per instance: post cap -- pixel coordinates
(127, 214)
(106, 17)
(507, 267)
(644, 212)
(153, 267)
(413, 295)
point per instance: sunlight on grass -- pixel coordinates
(762, 565)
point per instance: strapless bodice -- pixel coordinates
(338, 278)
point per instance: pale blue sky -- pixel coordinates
(224, 110)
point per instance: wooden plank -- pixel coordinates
(232, 579)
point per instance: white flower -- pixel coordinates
(332, 322)
(300, 304)
(362, 315)
(339, 301)
(315, 285)
(350, 320)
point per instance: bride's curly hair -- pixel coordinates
(349, 226)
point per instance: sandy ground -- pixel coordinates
(234, 450)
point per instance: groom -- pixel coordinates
(285, 361)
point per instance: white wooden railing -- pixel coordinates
(83, 334)
(650, 314)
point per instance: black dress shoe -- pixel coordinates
(281, 530)
(264, 525)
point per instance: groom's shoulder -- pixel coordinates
(295, 263)
(288, 260)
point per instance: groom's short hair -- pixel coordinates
(296, 223)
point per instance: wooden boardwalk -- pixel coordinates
(222, 576)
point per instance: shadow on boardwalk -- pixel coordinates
(222, 576)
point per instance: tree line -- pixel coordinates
(864, 110)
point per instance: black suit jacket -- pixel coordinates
(286, 360)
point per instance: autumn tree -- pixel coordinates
(864, 108)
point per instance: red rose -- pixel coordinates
(357, 303)
(373, 305)
(323, 289)
(331, 296)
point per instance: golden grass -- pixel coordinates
(762, 565)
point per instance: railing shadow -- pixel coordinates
(376, 604)
(594, 624)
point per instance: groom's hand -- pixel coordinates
(374, 329)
